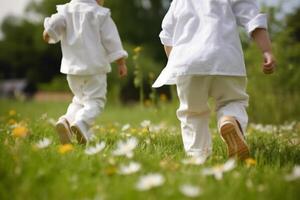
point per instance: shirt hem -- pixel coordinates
(171, 80)
(84, 72)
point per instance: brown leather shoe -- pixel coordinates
(80, 129)
(63, 129)
(233, 136)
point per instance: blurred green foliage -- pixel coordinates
(273, 98)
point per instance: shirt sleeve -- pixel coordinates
(168, 26)
(55, 27)
(111, 40)
(248, 15)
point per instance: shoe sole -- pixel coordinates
(63, 134)
(79, 135)
(236, 147)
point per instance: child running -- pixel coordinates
(90, 42)
(205, 59)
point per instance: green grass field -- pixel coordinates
(56, 172)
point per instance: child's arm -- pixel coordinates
(122, 68)
(255, 23)
(54, 28)
(113, 45)
(168, 50)
(261, 37)
(46, 36)
(168, 24)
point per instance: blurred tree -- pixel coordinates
(23, 54)
(292, 21)
(279, 92)
(288, 52)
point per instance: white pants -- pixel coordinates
(193, 91)
(89, 97)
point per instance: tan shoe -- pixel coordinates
(81, 130)
(233, 137)
(63, 129)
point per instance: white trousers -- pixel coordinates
(193, 91)
(89, 97)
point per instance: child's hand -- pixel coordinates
(122, 70)
(269, 63)
(46, 37)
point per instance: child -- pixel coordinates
(89, 42)
(205, 59)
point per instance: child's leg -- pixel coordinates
(193, 114)
(75, 84)
(63, 124)
(231, 100)
(73, 108)
(93, 98)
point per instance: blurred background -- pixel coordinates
(29, 68)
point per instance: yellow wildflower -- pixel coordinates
(133, 130)
(169, 164)
(137, 49)
(113, 130)
(110, 170)
(250, 162)
(12, 122)
(163, 97)
(151, 75)
(12, 113)
(65, 148)
(148, 103)
(20, 131)
(145, 130)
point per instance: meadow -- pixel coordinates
(137, 153)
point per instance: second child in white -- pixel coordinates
(89, 42)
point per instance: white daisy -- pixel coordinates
(93, 138)
(51, 121)
(190, 190)
(145, 123)
(261, 188)
(218, 171)
(126, 147)
(44, 143)
(44, 116)
(130, 168)
(294, 175)
(95, 149)
(194, 160)
(125, 127)
(265, 128)
(150, 181)
(249, 184)
(157, 128)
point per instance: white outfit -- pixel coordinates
(193, 92)
(89, 37)
(207, 61)
(205, 38)
(89, 97)
(90, 42)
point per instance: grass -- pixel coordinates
(30, 173)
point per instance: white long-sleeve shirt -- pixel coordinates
(89, 38)
(205, 38)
